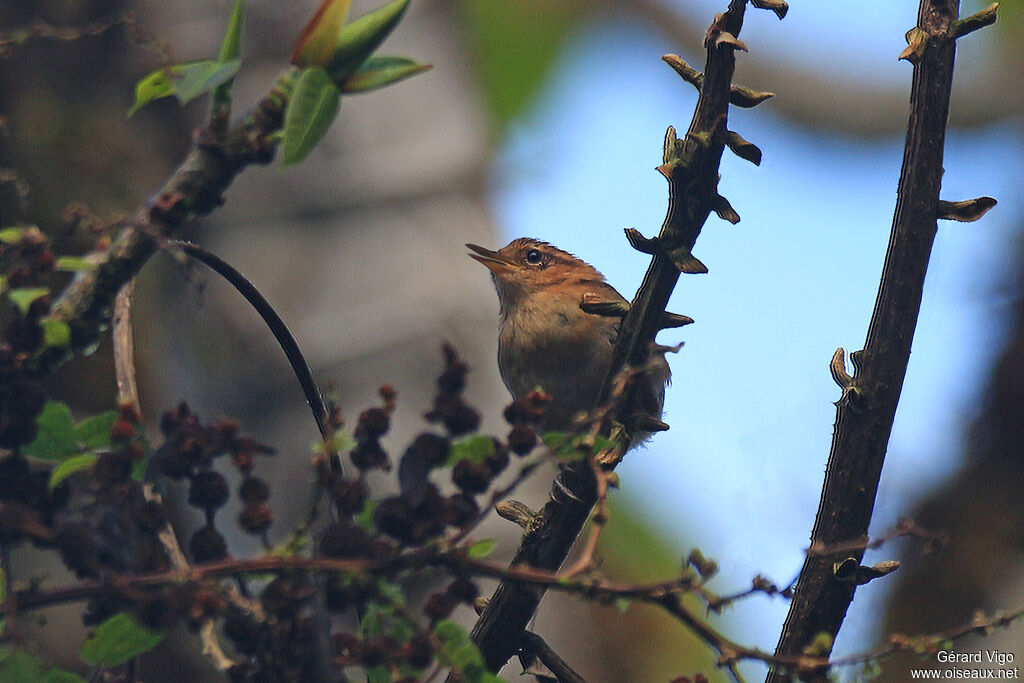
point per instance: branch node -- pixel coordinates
(517, 512)
(644, 245)
(917, 40)
(852, 571)
(778, 6)
(985, 17)
(742, 148)
(966, 211)
(724, 209)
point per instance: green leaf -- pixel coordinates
(315, 46)
(59, 438)
(377, 72)
(365, 516)
(55, 439)
(516, 45)
(378, 674)
(94, 432)
(75, 463)
(73, 263)
(481, 549)
(202, 77)
(154, 86)
(185, 81)
(476, 449)
(17, 666)
(56, 333)
(11, 235)
(458, 651)
(231, 48)
(23, 297)
(358, 40)
(230, 52)
(564, 445)
(312, 109)
(117, 640)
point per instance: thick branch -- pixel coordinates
(195, 189)
(691, 167)
(864, 421)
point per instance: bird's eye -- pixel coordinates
(534, 257)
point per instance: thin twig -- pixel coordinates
(128, 392)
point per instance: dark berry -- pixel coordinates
(207, 545)
(256, 518)
(522, 439)
(472, 477)
(254, 490)
(208, 490)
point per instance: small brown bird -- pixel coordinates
(546, 340)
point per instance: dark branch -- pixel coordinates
(691, 168)
(863, 426)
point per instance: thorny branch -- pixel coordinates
(867, 408)
(691, 168)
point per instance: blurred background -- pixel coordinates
(546, 119)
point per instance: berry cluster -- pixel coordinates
(189, 451)
(108, 528)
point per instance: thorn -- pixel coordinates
(742, 148)
(661, 348)
(670, 320)
(966, 211)
(724, 210)
(642, 244)
(746, 97)
(843, 378)
(917, 40)
(726, 38)
(673, 145)
(851, 571)
(778, 6)
(517, 512)
(687, 72)
(981, 19)
(838, 369)
(686, 262)
(647, 423)
(591, 303)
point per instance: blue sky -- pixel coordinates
(740, 472)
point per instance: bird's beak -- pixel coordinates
(492, 259)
